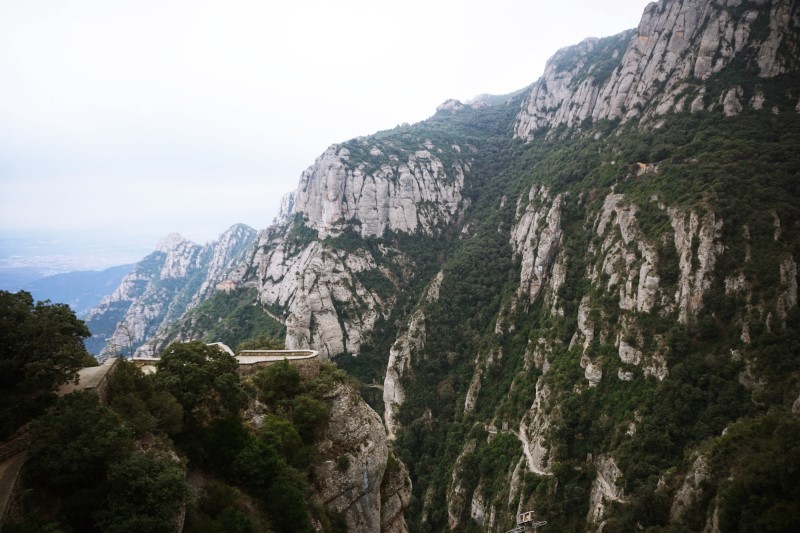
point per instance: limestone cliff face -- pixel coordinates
(325, 305)
(358, 475)
(632, 278)
(537, 238)
(663, 65)
(365, 187)
(457, 491)
(162, 287)
(408, 344)
(223, 255)
(604, 491)
(385, 188)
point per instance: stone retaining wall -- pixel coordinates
(18, 442)
(308, 367)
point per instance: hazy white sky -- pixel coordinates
(139, 118)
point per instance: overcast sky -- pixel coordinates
(127, 120)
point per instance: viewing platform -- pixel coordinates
(251, 361)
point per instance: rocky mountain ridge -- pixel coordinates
(161, 288)
(664, 65)
(580, 299)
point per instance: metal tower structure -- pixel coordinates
(526, 523)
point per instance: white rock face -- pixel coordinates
(325, 305)
(691, 490)
(604, 491)
(395, 497)
(592, 371)
(694, 281)
(678, 45)
(482, 361)
(314, 285)
(536, 238)
(408, 343)
(628, 354)
(629, 260)
(533, 429)
(477, 511)
(788, 298)
(585, 326)
(224, 255)
(182, 255)
(286, 209)
(731, 102)
(456, 492)
(355, 431)
(417, 193)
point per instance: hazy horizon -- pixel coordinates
(122, 123)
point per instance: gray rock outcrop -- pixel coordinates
(661, 66)
(357, 476)
(408, 343)
(325, 305)
(415, 191)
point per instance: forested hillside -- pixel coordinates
(195, 447)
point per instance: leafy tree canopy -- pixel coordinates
(41, 347)
(203, 379)
(262, 342)
(147, 409)
(146, 491)
(278, 383)
(74, 444)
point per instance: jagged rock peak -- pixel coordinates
(450, 105)
(170, 242)
(482, 100)
(663, 65)
(163, 286)
(238, 229)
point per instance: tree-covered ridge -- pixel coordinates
(742, 169)
(716, 339)
(230, 317)
(180, 441)
(41, 347)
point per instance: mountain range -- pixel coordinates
(579, 299)
(81, 290)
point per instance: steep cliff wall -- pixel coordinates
(359, 476)
(376, 187)
(665, 64)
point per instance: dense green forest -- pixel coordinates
(163, 447)
(41, 347)
(744, 170)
